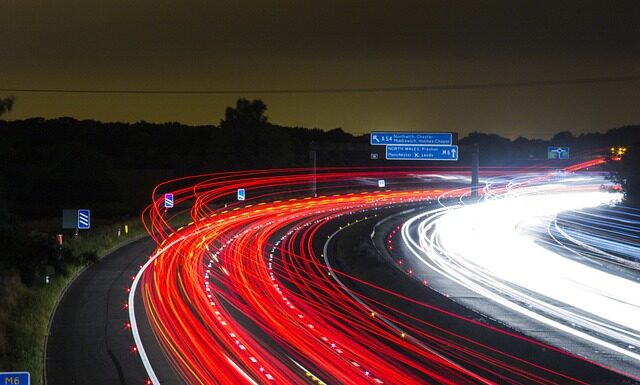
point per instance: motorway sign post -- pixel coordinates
(15, 378)
(69, 220)
(558, 153)
(411, 138)
(84, 219)
(449, 153)
(381, 183)
(168, 200)
(241, 194)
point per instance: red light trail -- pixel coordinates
(242, 294)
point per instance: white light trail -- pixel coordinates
(490, 248)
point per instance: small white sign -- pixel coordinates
(381, 183)
(241, 194)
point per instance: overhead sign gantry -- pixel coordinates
(416, 145)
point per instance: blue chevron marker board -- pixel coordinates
(168, 202)
(84, 219)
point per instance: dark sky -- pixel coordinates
(213, 45)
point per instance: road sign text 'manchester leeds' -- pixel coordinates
(422, 152)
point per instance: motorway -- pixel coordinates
(282, 288)
(89, 341)
(589, 309)
(429, 304)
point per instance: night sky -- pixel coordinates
(267, 45)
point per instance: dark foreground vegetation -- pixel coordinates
(33, 273)
(47, 165)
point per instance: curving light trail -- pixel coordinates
(244, 292)
(497, 248)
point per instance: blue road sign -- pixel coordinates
(15, 378)
(411, 138)
(168, 202)
(241, 194)
(84, 219)
(422, 153)
(557, 152)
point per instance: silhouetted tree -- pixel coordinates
(631, 175)
(563, 138)
(6, 104)
(493, 148)
(4, 207)
(247, 114)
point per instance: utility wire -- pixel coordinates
(449, 87)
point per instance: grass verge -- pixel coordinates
(25, 313)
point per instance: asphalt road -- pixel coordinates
(526, 325)
(350, 256)
(88, 341)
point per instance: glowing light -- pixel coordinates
(260, 260)
(491, 248)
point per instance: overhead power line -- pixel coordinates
(346, 90)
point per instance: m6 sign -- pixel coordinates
(15, 378)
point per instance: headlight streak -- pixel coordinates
(483, 248)
(612, 235)
(240, 296)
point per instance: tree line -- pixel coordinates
(51, 164)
